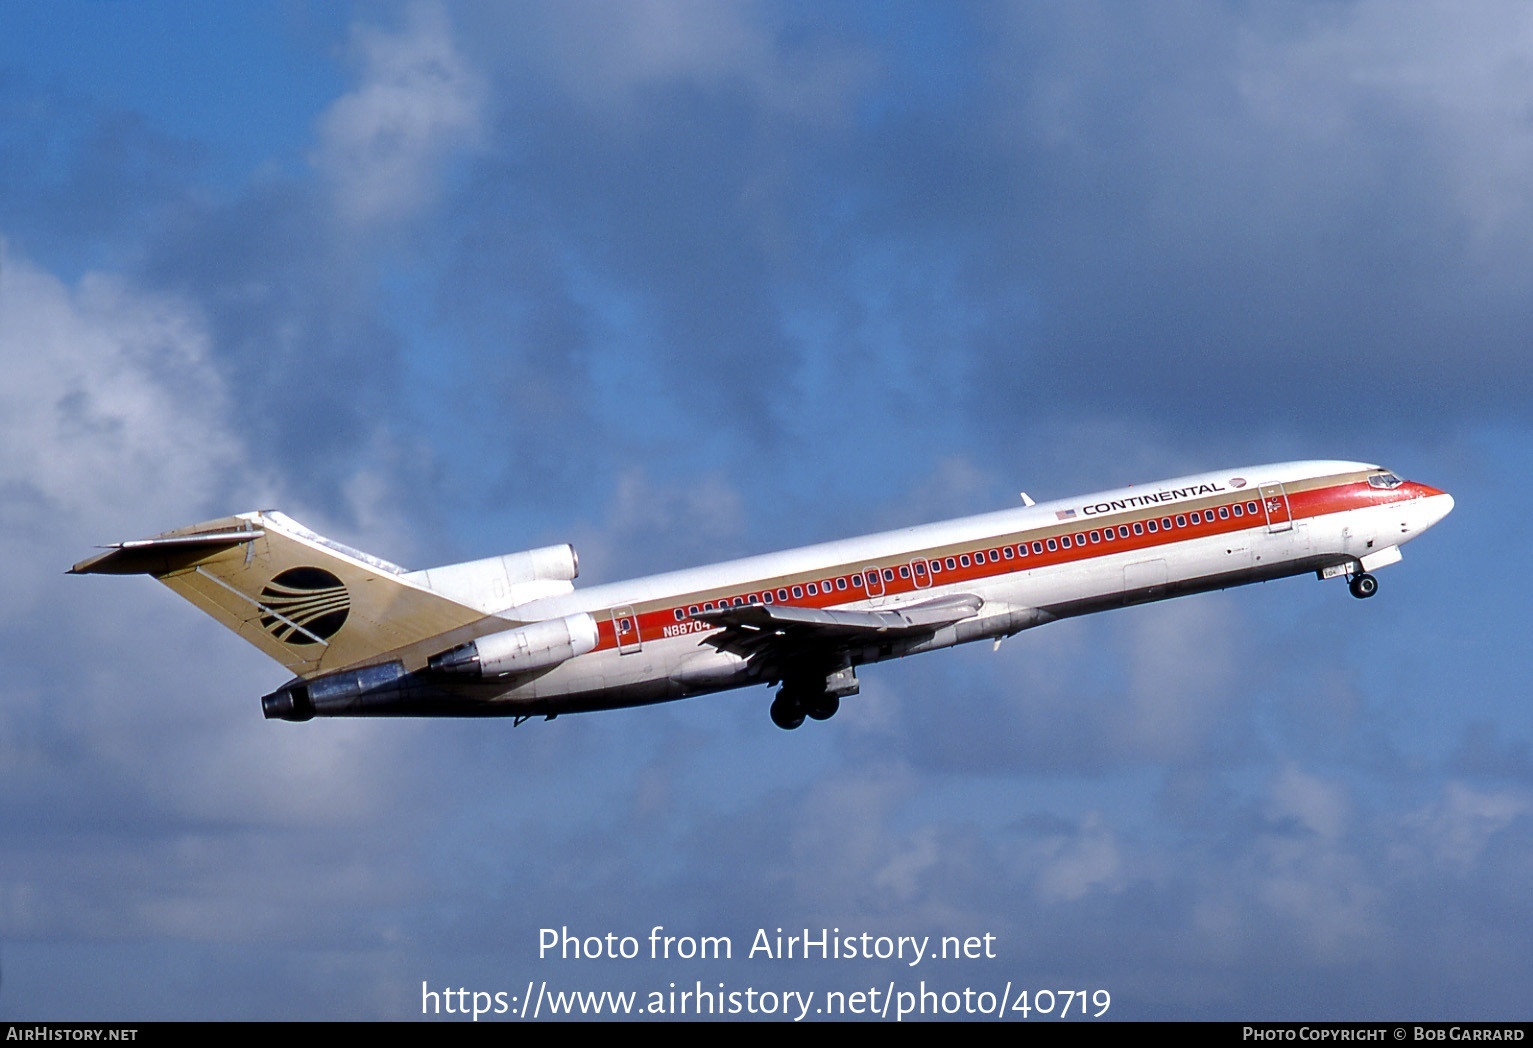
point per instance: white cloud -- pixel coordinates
(385, 143)
(1453, 832)
(1463, 74)
(132, 754)
(607, 54)
(112, 416)
(1074, 865)
(1299, 798)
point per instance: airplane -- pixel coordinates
(512, 636)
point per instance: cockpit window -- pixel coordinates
(1384, 480)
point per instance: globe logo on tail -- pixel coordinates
(304, 606)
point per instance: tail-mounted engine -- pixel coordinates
(497, 583)
(535, 646)
(383, 690)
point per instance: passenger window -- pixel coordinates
(1224, 513)
(1239, 511)
(964, 559)
(1038, 547)
(1181, 522)
(813, 589)
(904, 571)
(1251, 508)
(1165, 523)
(1080, 539)
(888, 574)
(841, 583)
(920, 568)
(798, 592)
(1139, 527)
(1123, 531)
(1008, 553)
(1096, 536)
(1053, 545)
(1151, 525)
(1064, 542)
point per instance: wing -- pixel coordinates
(778, 636)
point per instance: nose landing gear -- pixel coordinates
(1363, 585)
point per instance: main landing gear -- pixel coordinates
(791, 707)
(1363, 585)
(815, 697)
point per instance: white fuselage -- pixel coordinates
(512, 636)
(1027, 566)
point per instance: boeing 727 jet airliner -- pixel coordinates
(511, 636)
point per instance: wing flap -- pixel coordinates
(776, 637)
(838, 623)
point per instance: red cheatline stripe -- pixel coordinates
(1303, 505)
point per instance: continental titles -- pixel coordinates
(1151, 498)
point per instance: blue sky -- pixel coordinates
(683, 281)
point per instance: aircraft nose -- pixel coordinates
(1438, 504)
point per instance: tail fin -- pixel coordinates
(311, 604)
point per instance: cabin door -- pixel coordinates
(625, 627)
(1275, 505)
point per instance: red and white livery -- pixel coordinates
(512, 636)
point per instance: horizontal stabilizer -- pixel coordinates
(164, 553)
